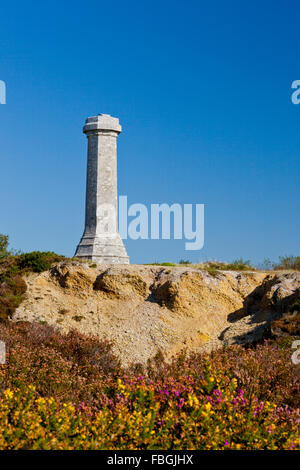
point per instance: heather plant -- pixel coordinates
(70, 392)
(12, 286)
(206, 417)
(12, 289)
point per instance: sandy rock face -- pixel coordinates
(121, 285)
(145, 308)
(280, 291)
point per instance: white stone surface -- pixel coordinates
(101, 241)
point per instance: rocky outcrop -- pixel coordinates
(143, 309)
(268, 311)
(280, 291)
(283, 298)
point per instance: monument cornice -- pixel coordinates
(102, 123)
(101, 132)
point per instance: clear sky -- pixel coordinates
(203, 92)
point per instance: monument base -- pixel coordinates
(102, 250)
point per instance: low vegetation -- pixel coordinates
(288, 262)
(284, 263)
(13, 267)
(70, 392)
(236, 265)
(160, 264)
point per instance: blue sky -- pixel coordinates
(203, 92)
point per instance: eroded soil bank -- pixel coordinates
(144, 309)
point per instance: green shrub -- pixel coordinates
(38, 261)
(239, 265)
(236, 265)
(160, 264)
(12, 267)
(3, 244)
(288, 262)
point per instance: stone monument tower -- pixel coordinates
(101, 241)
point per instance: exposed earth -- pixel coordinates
(143, 309)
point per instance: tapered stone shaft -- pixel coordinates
(101, 241)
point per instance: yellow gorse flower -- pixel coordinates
(8, 393)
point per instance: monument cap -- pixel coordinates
(102, 122)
